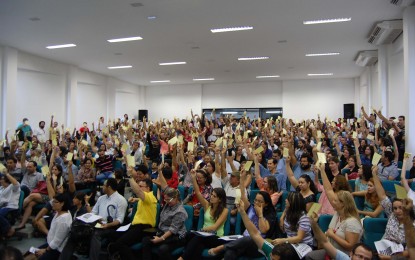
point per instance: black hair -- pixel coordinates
(13, 158)
(221, 194)
(118, 174)
(367, 248)
(10, 253)
(34, 163)
(367, 172)
(167, 172)
(411, 212)
(112, 183)
(296, 209)
(207, 176)
(272, 183)
(285, 251)
(142, 168)
(149, 183)
(269, 208)
(62, 197)
(308, 179)
(80, 195)
(389, 155)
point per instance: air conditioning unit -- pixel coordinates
(402, 3)
(386, 32)
(366, 58)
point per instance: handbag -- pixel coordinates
(41, 187)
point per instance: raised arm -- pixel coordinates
(290, 173)
(252, 230)
(71, 179)
(378, 185)
(404, 181)
(331, 195)
(356, 149)
(395, 149)
(407, 207)
(161, 181)
(321, 237)
(244, 198)
(134, 185)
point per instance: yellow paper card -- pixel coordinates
(237, 196)
(130, 160)
(117, 142)
(247, 166)
(245, 135)
(354, 135)
(198, 163)
(370, 137)
(224, 143)
(230, 142)
(239, 138)
(407, 155)
(358, 120)
(54, 142)
(84, 142)
(259, 150)
(391, 131)
(2, 167)
(284, 131)
(333, 124)
(173, 141)
(69, 156)
(285, 152)
(45, 170)
(322, 157)
(377, 126)
(315, 208)
(180, 139)
(319, 146)
(254, 138)
(218, 142)
(376, 158)
(400, 192)
(318, 133)
(124, 147)
(190, 146)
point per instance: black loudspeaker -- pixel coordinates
(142, 113)
(348, 111)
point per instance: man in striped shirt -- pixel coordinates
(104, 166)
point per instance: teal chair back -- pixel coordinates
(352, 184)
(389, 187)
(324, 222)
(180, 188)
(374, 229)
(252, 195)
(21, 199)
(360, 202)
(189, 221)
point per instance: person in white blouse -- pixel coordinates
(59, 229)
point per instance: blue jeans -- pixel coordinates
(5, 211)
(103, 176)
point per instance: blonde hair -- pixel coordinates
(350, 209)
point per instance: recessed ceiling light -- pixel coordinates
(61, 46)
(336, 20)
(34, 19)
(232, 29)
(282, 41)
(322, 54)
(160, 81)
(128, 39)
(172, 63)
(320, 74)
(270, 76)
(204, 79)
(254, 58)
(151, 17)
(120, 67)
(136, 4)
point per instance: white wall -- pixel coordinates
(173, 101)
(249, 95)
(397, 104)
(304, 99)
(127, 99)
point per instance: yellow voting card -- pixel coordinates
(322, 157)
(400, 192)
(407, 155)
(259, 150)
(2, 167)
(124, 147)
(69, 156)
(376, 158)
(285, 152)
(190, 146)
(45, 170)
(315, 208)
(237, 196)
(247, 166)
(180, 139)
(84, 142)
(218, 142)
(173, 141)
(319, 146)
(318, 133)
(370, 137)
(354, 135)
(130, 160)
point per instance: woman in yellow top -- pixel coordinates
(214, 220)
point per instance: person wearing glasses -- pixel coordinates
(172, 229)
(144, 218)
(262, 214)
(59, 229)
(359, 251)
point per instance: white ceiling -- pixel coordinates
(181, 32)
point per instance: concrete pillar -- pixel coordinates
(383, 78)
(8, 91)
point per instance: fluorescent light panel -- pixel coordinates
(232, 29)
(204, 79)
(120, 67)
(160, 81)
(128, 39)
(229, 113)
(319, 74)
(253, 58)
(61, 46)
(336, 20)
(265, 77)
(322, 54)
(172, 63)
(272, 112)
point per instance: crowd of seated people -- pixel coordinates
(220, 176)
